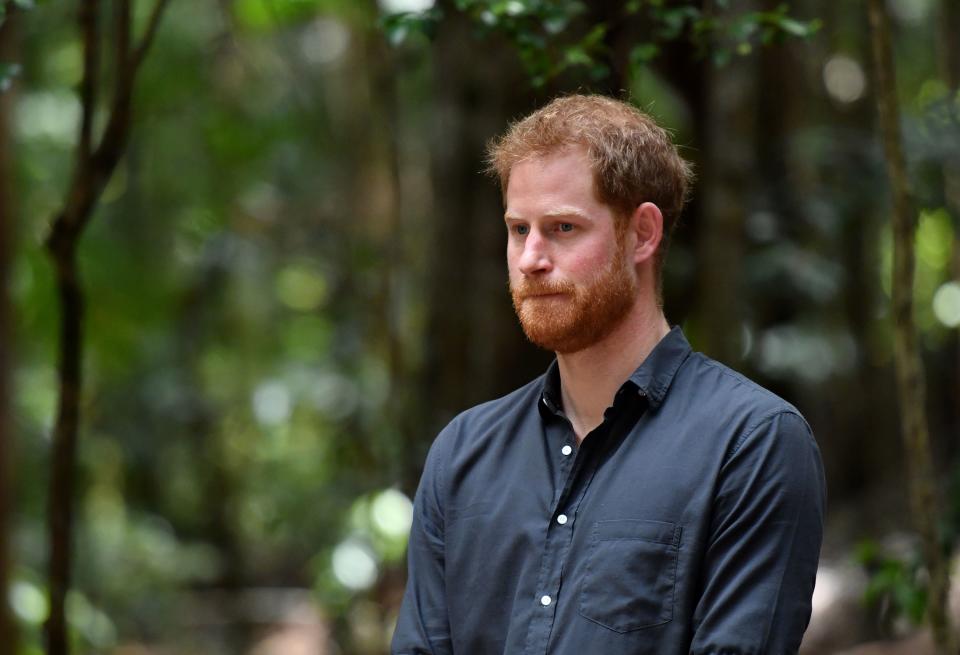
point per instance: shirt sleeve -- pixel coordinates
(765, 536)
(423, 627)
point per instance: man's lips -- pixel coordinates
(531, 296)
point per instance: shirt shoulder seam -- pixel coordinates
(764, 419)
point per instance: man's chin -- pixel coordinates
(554, 339)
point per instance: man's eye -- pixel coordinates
(522, 229)
(566, 227)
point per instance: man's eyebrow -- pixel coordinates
(559, 212)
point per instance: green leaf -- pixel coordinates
(794, 27)
(512, 8)
(7, 74)
(399, 27)
(555, 24)
(599, 71)
(576, 56)
(721, 57)
(397, 33)
(644, 53)
(265, 14)
(866, 552)
(595, 37)
(531, 40)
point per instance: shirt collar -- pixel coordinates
(652, 378)
(550, 395)
(654, 375)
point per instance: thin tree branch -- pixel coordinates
(123, 24)
(9, 51)
(92, 169)
(89, 16)
(148, 35)
(907, 362)
(92, 175)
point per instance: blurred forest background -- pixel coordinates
(295, 276)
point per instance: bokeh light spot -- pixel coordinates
(325, 41)
(398, 6)
(354, 565)
(300, 288)
(272, 403)
(28, 602)
(946, 304)
(392, 513)
(844, 79)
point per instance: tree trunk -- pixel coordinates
(909, 366)
(725, 169)
(474, 347)
(8, 48)
(93, 167)
(60, 500)
(949, 56)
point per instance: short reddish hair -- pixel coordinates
(634, 160)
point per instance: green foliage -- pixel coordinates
(547, 35)
(258, 288)
(553, 37)
(8, 72)
(270, 14)
(543, 32)
(18, 4)
(896, 582)
(935, 238)
(403, 26)
(719, 34)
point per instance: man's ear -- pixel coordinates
(646, 222)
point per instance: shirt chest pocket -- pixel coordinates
(630, 574)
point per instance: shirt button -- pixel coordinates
(562, 519)
(566, 450)
(545, 600)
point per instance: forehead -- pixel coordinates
(567, 171)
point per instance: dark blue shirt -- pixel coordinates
(690, 521)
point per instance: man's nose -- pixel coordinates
(535, 257)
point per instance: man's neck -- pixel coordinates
(590, 378)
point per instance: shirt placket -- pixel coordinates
(576, 470)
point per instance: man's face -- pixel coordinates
(570, 278)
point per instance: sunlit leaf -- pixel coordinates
(8, 72)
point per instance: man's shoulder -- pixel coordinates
(728, 404)
(491, 419)
(508, 408)
(725, 387)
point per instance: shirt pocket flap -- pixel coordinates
(658, 532)
(630, 574)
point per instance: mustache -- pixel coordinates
(528, 288)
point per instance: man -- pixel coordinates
(638, 497)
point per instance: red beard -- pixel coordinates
(579, 316)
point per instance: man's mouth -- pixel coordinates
(543, 296)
